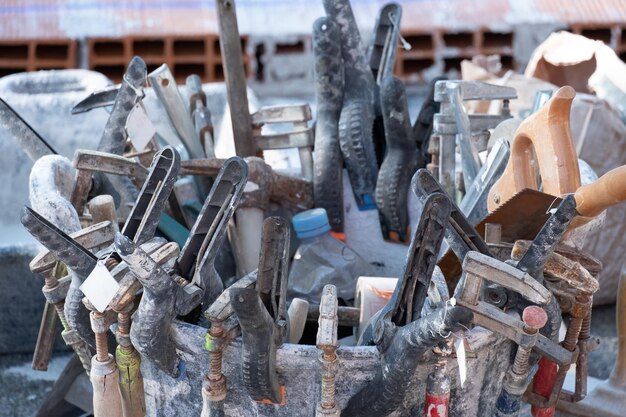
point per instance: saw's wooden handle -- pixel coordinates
(610, 189)
(545, 139)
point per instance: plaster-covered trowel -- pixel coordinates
(262, 315)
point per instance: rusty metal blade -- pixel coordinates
(45, 339)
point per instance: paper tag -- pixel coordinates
(459, 348)
(250, 186)
(139, 127)
(100, 287)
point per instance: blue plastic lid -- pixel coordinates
(311, 223)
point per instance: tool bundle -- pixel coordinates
(183, 289)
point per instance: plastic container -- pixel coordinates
(321, 259)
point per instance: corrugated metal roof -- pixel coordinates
(28, 19)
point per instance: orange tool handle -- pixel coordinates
(543, 139)
(610, 189)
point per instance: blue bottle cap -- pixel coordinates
(311, 223)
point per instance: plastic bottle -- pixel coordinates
(321, 259)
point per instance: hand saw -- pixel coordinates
(514, 201)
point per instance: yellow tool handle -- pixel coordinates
(608, 190)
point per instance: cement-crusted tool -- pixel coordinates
(113, 141)
(262, 315)
(90, 169)
(533, 262)
(437, 398)
(608, 398)
(405, 305)
(50, 189)
(381, 58)
(164, 85)
(224, 328)
(300, 136)
(399, 164)
(423, 128)
(356, 120)
(470, 161)
(515, 381)
(130, 92)
(461, 236)
(195, 264)
(150, 330)
(82, 262)
(570, 275)
(140, 225)
(329, 82)
(479, 268)
(95, 237)
(547, 383)
(235, 77)
(399, 330)
(180, 288)
(381, 53)
(327, 343)
(474, 203)
(144, 217)
(385, 393)
(451, 94)
(291, 192)
(200, 114)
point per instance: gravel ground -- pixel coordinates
(22, 390)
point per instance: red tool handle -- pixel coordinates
(542, 384)
(436, 405)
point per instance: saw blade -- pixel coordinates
(521, 217)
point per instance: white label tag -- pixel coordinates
(250, 186)
(139, 127)
(459, 348)
(100, 287)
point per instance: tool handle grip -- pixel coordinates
(608, 190)
(544, 139)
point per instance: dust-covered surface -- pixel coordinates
(22, 390)
(20, 393)
(299, 370)
(21, 300)
(47, 110)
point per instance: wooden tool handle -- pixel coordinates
(543, 139)
(608, 190)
